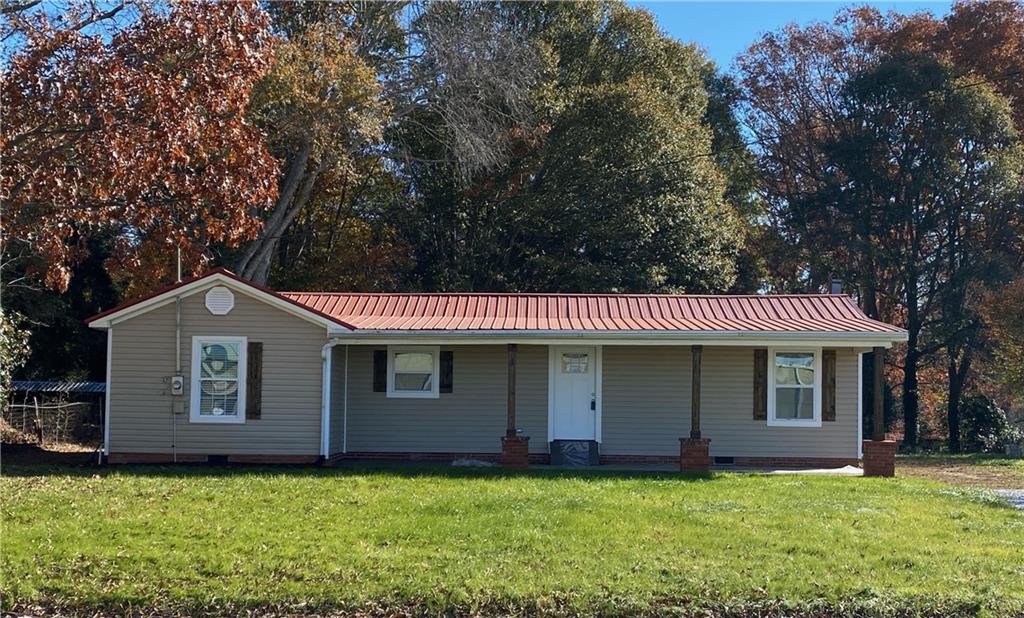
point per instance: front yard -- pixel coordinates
(440, 540)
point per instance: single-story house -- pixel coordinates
(216, 368)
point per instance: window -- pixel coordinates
(575, 363)
(794, 394)
(218, 380)
(413, 371)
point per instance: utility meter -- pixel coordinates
(177, 385)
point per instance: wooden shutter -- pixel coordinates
(380, 371)
(828, 385)
(447, 359)
(254, 381)
(760, 385)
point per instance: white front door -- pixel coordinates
(574, 404)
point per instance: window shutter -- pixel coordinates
(380, 371)
(447, 358)
(254, 381)
(828, 385)
(760, 385)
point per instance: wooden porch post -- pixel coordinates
(878, 399)
(695, 352)
(879, 453)
(510, 406)
(693, 451)
(515, 449)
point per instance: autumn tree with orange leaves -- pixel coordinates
(889, 157)
(141, 133)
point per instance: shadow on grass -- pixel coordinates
(396, 470)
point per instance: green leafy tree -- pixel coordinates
(14, 350)
(602, 191)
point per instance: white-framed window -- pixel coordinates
(218, 380)
(794, 387)
(414, 371)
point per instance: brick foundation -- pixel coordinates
(442, 457)
(273, 459)
(515, 453)
(795, 463)
(166, 458)
(693, 455)
(879, 458)
(638, 459)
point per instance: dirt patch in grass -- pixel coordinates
(49, 454)
(993, 474)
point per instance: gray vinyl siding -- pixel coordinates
(727, 398)
(143, 356)
(532, 395)
(338, 399)
(646, 406)
(470, 419)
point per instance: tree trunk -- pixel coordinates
(953, 408)
(910, 397)
(957, 374)
(910, 400)
(259, 266)
(248, 265)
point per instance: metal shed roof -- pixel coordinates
(46, 386)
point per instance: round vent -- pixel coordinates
(220, 300)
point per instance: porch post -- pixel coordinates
(515, 450)
(510, 405)
(693, 451)
(879, 453)
(695, 352)
(878, 400)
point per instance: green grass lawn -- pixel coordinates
(460, 541)
(974, 459)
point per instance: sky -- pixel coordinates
(725, 29)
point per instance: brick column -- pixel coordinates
(515, 453)
(693, 455)
(879, 458)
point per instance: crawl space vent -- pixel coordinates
(220, 300)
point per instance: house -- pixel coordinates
(216, 368)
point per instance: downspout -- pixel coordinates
(177, 363)
(860, 405)
(325, 398)
(344, 423)
(106, 394)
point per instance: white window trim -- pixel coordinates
(434, 392)
(243, 355)
(780, 422)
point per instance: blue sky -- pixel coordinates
(725, 29)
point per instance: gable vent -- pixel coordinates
(220, 300)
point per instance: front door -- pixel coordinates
(575, 389)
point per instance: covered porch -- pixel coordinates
(682, 407)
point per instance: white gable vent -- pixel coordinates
(220, 300)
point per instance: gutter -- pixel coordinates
(325, 397)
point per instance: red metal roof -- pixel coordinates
(593, 312)
(808, 313)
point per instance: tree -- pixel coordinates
(1002, 313)
(14, 351)
(983, 38)
(739, 166)
(600, 191)
(868, 157)
(321, 108)
(141, 132)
